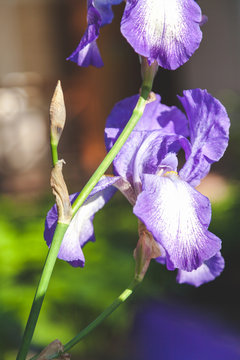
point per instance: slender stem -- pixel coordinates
(61, 228)
(41, 290)
(136, 115)
(108, 311)
(54, 153)
(117, 302)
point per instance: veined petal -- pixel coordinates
(208, 271)
(156, 116)
(164, 30)
(80, 230)
(157, 151)
(209, 133)
(178, 217)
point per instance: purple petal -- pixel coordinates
(166, 31)
(208, 271)
(86, 55)
(156, 116)
(157, 152)
(104, 8)
(209, 133)
(178, 216)
(99, 14)
(80, 230)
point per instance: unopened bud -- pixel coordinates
(59, 189)
(53, 348)
(57, 114)
(146, 249)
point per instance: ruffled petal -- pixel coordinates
(178, 216)
(209, 133)
(80, 230)
(156, 116)
(208, 271)
(164, 30)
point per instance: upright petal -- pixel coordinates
(164, 30)
(81, 228)
(157, 151)
(156, 116)
(209, 133)
(178, 216)
(208, 271)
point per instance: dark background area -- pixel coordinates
(35, 38)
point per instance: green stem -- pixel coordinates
(41, 290)
(61, 228)
(136, 115)
(108, 311)
(54, 153)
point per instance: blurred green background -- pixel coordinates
(36, 38)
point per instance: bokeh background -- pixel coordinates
(163, 320)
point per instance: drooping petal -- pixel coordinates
(156, 116)
(81, 228)
(87, 52)
(178, 216)
(164, 30)
(208, 271)
(209, 133)
(99, 14)
(104, 8)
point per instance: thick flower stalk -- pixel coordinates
(166, 31)
(163, 196)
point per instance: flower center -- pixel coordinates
(170, 173)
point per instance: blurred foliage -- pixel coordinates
(76, 296)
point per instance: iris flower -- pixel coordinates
(167, 31)
(163, 196)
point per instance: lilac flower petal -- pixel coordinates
(87, 55)
(87, 52)
(157, 152)
(80, 230)
(104, 8)
(166, 31)
(208, 271)
(209, 133)
(156, 116)
(178, 216)
(99, 14)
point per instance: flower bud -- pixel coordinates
(57, 114)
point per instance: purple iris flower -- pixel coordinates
(167, 31)
(163, 197)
